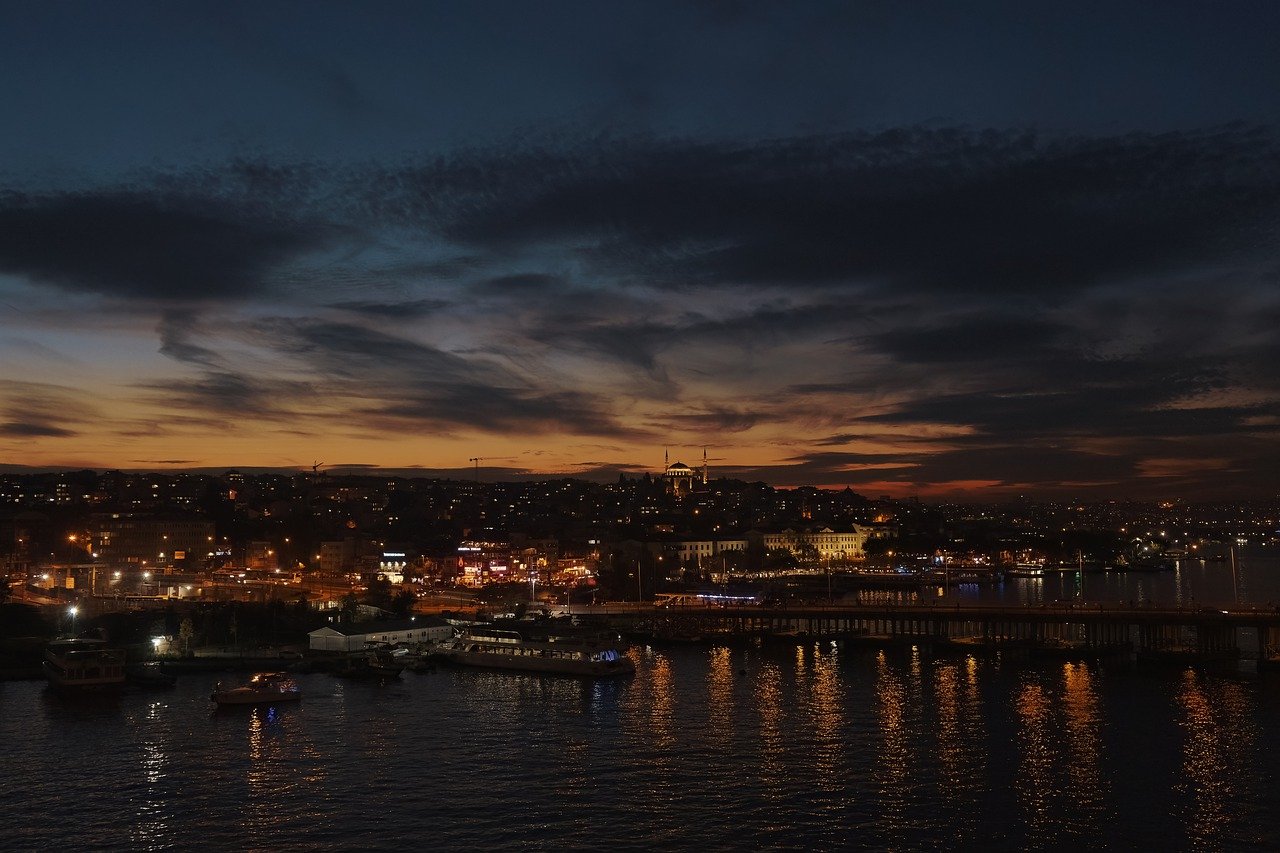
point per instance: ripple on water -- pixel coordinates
(812, 746)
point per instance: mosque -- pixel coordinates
(680, 478)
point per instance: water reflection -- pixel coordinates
(1034, 785)
(1219, 742)
(150, 829)
(961, 753)
(662, 703)
(772, 719)
(893, 767)
(265, 776)
(1087, 790)
(720, 687)
(827, 702)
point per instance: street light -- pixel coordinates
(72, 611)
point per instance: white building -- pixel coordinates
(829, 544)
(356, 637)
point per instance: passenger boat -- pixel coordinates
(264, 688)
(497, 649)
(83, 664)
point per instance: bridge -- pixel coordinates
(1156, 632)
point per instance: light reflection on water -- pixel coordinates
(1086, 787)
(1217, 765)
(894, 765)
(1034, 785)
(961, 760)
(807, 746)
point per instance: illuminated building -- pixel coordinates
(679, 477)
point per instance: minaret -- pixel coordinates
(666, 459)
(704, 464)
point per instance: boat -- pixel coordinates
(83, 664)
(1026, 569)
(498, 649)
(373, 665)
(150, 675)
(264, 688)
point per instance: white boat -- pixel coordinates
(83, 664)
(1026, 569)
(264, 688)
(496, 649)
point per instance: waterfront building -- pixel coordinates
(820, 542)
(357, 637)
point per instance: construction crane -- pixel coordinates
(477, 460)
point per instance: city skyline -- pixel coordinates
(914, 252)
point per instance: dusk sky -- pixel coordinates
(968, 250)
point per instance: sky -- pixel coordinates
(952, 250)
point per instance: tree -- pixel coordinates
(186, 636)
(350, 608)
(402, 603)
(379, 593)
(878, 546)
(779, 558)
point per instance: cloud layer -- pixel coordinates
(916, 310)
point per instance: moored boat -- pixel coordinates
(83, 664)
(150, 675)
(373, 665)
(264, 688)
(497, 649)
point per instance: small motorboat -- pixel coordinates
(379, 665)
(149, 675)
(264, 688)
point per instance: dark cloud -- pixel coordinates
(145, 245)
(40, 410)
(176, 329)
(988, 212)
(993, 338)
(232, 393)
(393, 310)
(506, 410)
(827, 467)
(520, 285)
(1123, 411)
(716, 420)
(18, 429)
(368, 379)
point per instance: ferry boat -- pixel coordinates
(497, 649)
(83, 664)
(1026, 569)
(264, 688)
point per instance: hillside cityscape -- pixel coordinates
(147, 539)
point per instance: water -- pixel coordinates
(1253, 581)
(803, 747)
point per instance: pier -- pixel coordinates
(1151, 632)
